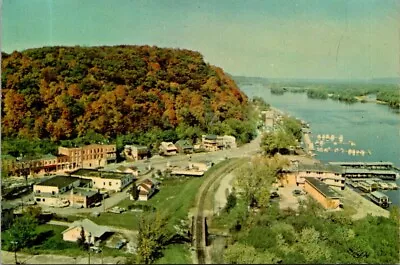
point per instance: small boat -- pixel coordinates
(372, 184)
(340, 138)
(332, 137)
(319, 136)
(380, 199)
(363, 186)
(392, 185)
(352, 183)
(383, 185)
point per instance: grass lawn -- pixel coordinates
(227, 220)
(129, 220)
(174, 199)
(175, 254)
(48, 241)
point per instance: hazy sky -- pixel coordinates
(282, 38)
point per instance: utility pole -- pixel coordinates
(15, 243)
(89, 237)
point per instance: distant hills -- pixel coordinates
(66, 92)
(263, 80)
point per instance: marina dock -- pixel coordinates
(366, 165)
(366, 173)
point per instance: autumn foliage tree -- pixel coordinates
(61, 93)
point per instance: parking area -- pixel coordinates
(288, 198)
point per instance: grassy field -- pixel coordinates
(49, 241)
(175, 254)
(174, 199)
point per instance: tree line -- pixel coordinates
(84, 94)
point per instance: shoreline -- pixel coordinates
(362, 205)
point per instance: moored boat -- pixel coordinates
(363, 186)
(372, 184)
(380, 199)
(392, 185)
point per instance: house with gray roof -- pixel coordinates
(92, 231)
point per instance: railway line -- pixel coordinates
(200, 219)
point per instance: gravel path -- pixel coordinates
(8, 258)
(220, 197)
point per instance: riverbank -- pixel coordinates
(354, 203)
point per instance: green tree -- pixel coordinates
(243, 254)
(134, 192)
(22, 232)
(82, 240)
(230, 201)
(151, 238)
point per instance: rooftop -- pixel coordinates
(89, 226)
(184, 143)
(362, 163)
(367, 171)
(88, 172)
(322, 187)
(210, 137)
(58, 181)
(135, 146)
(320, 168)
(85, 192)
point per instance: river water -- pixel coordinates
(370, 126)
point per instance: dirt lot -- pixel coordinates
(287, 199)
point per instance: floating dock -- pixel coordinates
(366, 165)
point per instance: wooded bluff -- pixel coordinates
(62, 93)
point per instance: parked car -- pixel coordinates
(117, 209)
(95, 249)
(274, 194)
(297, 192)
(120, 244)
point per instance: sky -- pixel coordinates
(311, 39)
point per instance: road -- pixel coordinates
(24, 258)
(156, 162)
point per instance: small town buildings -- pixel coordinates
(94, 155)
(321, 192)
(214, 142)
(84, 197)
(49, 191)
(89, 156)
(269, 118)
(184, 146)
(105, 180)
(295, 174)
(146, 189)
(211, 143)
(167, 149)
(228, 141)
(128, 169)
(136, 152)
(92, 232)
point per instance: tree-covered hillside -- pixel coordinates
(67, 92)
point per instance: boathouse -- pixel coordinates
(321, 192)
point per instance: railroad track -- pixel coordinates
(200, 236)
